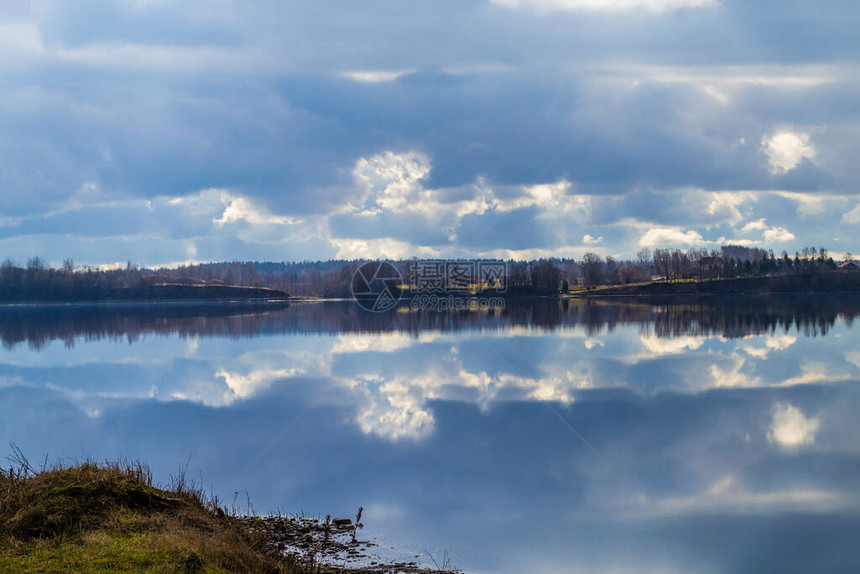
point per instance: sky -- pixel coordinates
(163, 132)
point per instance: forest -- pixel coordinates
(38, 281)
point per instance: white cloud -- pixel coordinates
(376, 76)
(776, 234)
(394, 409)
(391, 184)
(396, 414)
(814, 373)
(725, 205)
(771, 344)
(593, 343)
(481, 202)
(790, 428)
(656, 6)
(246, 385)
(786, 149)
(235, 386)
(759, 225)
(375, 248)
(554, 198)
(591, 240)
(732, 376)
(225, 207)
(852, 216)
(571, 252)
(556, 388)
(770, 234)
(384, 343)
(243, 209)
(670, 345)
(393, 180)
(660, 236)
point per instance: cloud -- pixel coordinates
(671, 236)
(758, 225)
(554, 197)
(725, 206)
(243, 209)
(381, 247)
(393, 180)
(656, 6)
(593, 343)
(853, 216)
(772, 343)
(394, 411)
(778, 234)
(670, 345)
(384, 343)
(727, 498)
(732, 376)
(815, 373)
(790, 428)
(405, 216)
(376, 76)
(786, 149)
(233, 208)
(453, 143)
(248, 384)
(591, 240)
(769, 234)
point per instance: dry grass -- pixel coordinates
(97, 517)
(109, 517)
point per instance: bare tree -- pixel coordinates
(593, 269)
(546, 277)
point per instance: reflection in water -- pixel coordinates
(727, 317)
(554, 436)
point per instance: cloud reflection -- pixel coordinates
(439, 425)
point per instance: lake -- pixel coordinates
(552, 436)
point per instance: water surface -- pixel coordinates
(550, 437)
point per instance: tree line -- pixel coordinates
(728, 262)
(36, 280)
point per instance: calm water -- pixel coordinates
(550, 437)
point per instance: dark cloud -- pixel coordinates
(277, 103)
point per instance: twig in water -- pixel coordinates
(357, 524)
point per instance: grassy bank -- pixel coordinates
(111, 518)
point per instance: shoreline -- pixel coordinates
(95, 517)
(611, 292)
(230, 295)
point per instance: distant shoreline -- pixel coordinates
(814, 284)
(149, 293)
(790, 284)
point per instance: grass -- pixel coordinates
(110, 517)
(94, 517)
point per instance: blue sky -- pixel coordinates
(167, 132)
